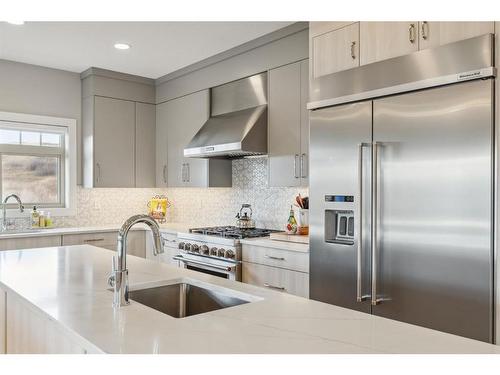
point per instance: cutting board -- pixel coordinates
(282, 236)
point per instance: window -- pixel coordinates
(38, 160)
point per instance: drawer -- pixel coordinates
(279, 279)
(100, 239)
(292, 260)
(136, 241)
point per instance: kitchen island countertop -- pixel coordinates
(68, 284)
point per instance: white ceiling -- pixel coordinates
(157, 48)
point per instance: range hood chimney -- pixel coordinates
(237, 126)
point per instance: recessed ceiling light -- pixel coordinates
(122, 46)
(16, 22)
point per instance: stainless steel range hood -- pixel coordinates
(237, 126)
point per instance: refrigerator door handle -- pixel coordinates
(359, 282)
(375, 205)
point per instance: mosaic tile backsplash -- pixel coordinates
(194, 206)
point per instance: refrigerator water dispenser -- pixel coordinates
(339, 226)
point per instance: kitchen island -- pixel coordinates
(63, 293)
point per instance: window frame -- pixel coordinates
(67, 158)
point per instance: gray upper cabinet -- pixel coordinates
(288, 125)
(114, 134)
(118, 130)
(304, 122)
(145, 158)
(161, 144)
(178, 120)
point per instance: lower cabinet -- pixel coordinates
(136, 241)
(276, 269)
(20, 243)
(3, 321)
(281, 279)
(28, 331)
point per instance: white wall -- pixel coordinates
(37, 90)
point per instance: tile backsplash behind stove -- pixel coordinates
(194, 206)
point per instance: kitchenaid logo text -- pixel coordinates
(469, 75)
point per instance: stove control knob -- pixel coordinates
(195, 248)
(181, 245)
(229, 254)
(187, 246)
(204, 250)
(213, 251)
(221, 252)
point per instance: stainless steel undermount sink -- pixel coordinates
(183, 299)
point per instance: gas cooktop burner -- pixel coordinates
(233, 232)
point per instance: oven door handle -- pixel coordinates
(208, 265)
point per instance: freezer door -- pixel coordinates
(335, 138)
(434, 254)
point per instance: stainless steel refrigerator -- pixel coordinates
(402, 202)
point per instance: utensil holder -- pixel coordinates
(303, 221)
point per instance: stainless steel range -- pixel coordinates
(215, 250)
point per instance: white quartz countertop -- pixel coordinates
(38, 232)
(172, 228)
(69, 285)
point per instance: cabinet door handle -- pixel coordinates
(353, 50)
(411, 33)
(295, 163)
(98, 175)
(165, 174)
(274, 258)
(274, 286)
(303, 174)
(183, 172)
(188, 172)
(425, 30)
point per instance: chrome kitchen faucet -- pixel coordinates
(4, 207)
(119, 275)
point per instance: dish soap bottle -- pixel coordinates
(291, 226)
(35, 218)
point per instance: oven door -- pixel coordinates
(226, 270)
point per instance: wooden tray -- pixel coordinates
(283, 236)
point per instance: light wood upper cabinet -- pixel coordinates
(377, 41)
(288, 125)
(433, 34)
(335, 50)
(145, 157)
(384, 40)
(114, 135)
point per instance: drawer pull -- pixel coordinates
(94, 240)
(274, 287)
(274, 258)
